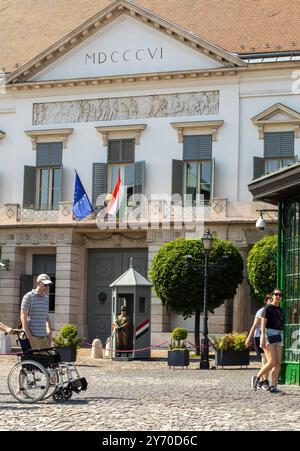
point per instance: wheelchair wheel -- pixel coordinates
(68, 393)
(28, 382)
(59, 395)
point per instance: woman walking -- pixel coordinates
(254, 339)
(271, 341)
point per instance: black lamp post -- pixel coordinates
(204, 363)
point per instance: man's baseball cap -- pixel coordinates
(44, 278)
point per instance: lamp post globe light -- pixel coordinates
(204, 362)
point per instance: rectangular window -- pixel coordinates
(273, 164)
(198, 179)
(49, 191)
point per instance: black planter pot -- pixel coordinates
(178, 357)
(67, 354)
(232, 358)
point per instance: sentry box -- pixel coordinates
(134, 291)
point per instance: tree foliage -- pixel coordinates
(181, 286)
(262, 266)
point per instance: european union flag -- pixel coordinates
(81, 204)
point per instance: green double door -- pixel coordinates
(104, 267)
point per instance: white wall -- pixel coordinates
(259, 93)
(237, 140)
(159, 142)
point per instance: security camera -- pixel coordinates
(188, 259)
(260, 224)
(4, 264)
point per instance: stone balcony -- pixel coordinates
(157, 213)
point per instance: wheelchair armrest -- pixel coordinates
(30, 351)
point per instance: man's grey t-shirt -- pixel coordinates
(38, 307)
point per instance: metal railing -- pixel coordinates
(157, 211)
(26, 214)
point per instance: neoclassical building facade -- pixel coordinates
(136, 89)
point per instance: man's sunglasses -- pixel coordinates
(278, 294)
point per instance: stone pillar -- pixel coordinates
(10, 284)
(242, 318)
(69, 266)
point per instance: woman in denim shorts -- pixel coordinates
(271, 341)
(253, 338)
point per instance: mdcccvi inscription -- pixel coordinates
(118, 108)
(121, 56)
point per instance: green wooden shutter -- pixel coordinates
(99, 180)
(279, 144)
(139, 177)
(258, 167)
(271, 145)
(114, 153)
(29, 187)
(128, 146)
(49, 154)
(121, 151)
(286, 144)
(197, 147)
(177, 177)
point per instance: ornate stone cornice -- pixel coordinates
(55, 134)
(286, 117)
(134, 130)
(123, 79)
(203, 127)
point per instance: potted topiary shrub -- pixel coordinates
(67, 342)
(178, 354)
(230, 349)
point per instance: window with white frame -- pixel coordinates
(198, 167)
(198, 179)
(121, 156)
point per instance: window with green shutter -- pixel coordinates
(196, 173)
(120, 160)
(49, 175)
(278, 150)
(43, 182)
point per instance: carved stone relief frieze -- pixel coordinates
(123, 108)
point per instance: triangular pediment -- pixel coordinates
(124, 39)
(277, 113)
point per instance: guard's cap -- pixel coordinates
(45, 279)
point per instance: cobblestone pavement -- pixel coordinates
(148, 396)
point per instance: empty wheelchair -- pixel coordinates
(40, 374)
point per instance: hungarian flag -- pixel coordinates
(117, 203)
